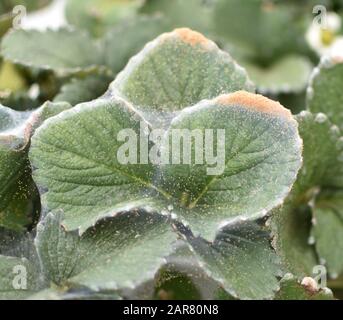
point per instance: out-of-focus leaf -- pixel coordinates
(128, 38)
(328, 230)
(97, 16)
(289, 74)
(64, 51)
(266, 29)
(194, 14)
(82, 90)
(325, 91)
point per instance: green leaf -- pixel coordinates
(82, 90)
(291, 229)
(64, 51)
(18, 193)
(325, 91)
(328, 230)
(79, 168)
(194, 14)
(257, 164)
(177, 70)
(127, 39)
(291, 223)
(288, 74)
(12, 286)
(118, 252)
(270, 29)
(97, 16)
(76, 156)
(241, 260)
(322, 153)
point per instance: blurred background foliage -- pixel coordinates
(270, 38)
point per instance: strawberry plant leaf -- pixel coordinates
(241, 260)
(265, 22)
(291, 229)
(325, 91)
(177, 70)
(127, 39)
(288, 74)
(105, 256)
(63, 51)
(76, 156)
(82, 90)
(261, 142)
(322, 152)
(328, 230)
(18, 192)
(194, 14)
(97, 16)
(291, 223)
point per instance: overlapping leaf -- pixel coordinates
(241, 260)
(76, 153)
(177, 70)
(82, 90)
(106, 256)
(254, 169)
(76, 157)
(291, 222)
